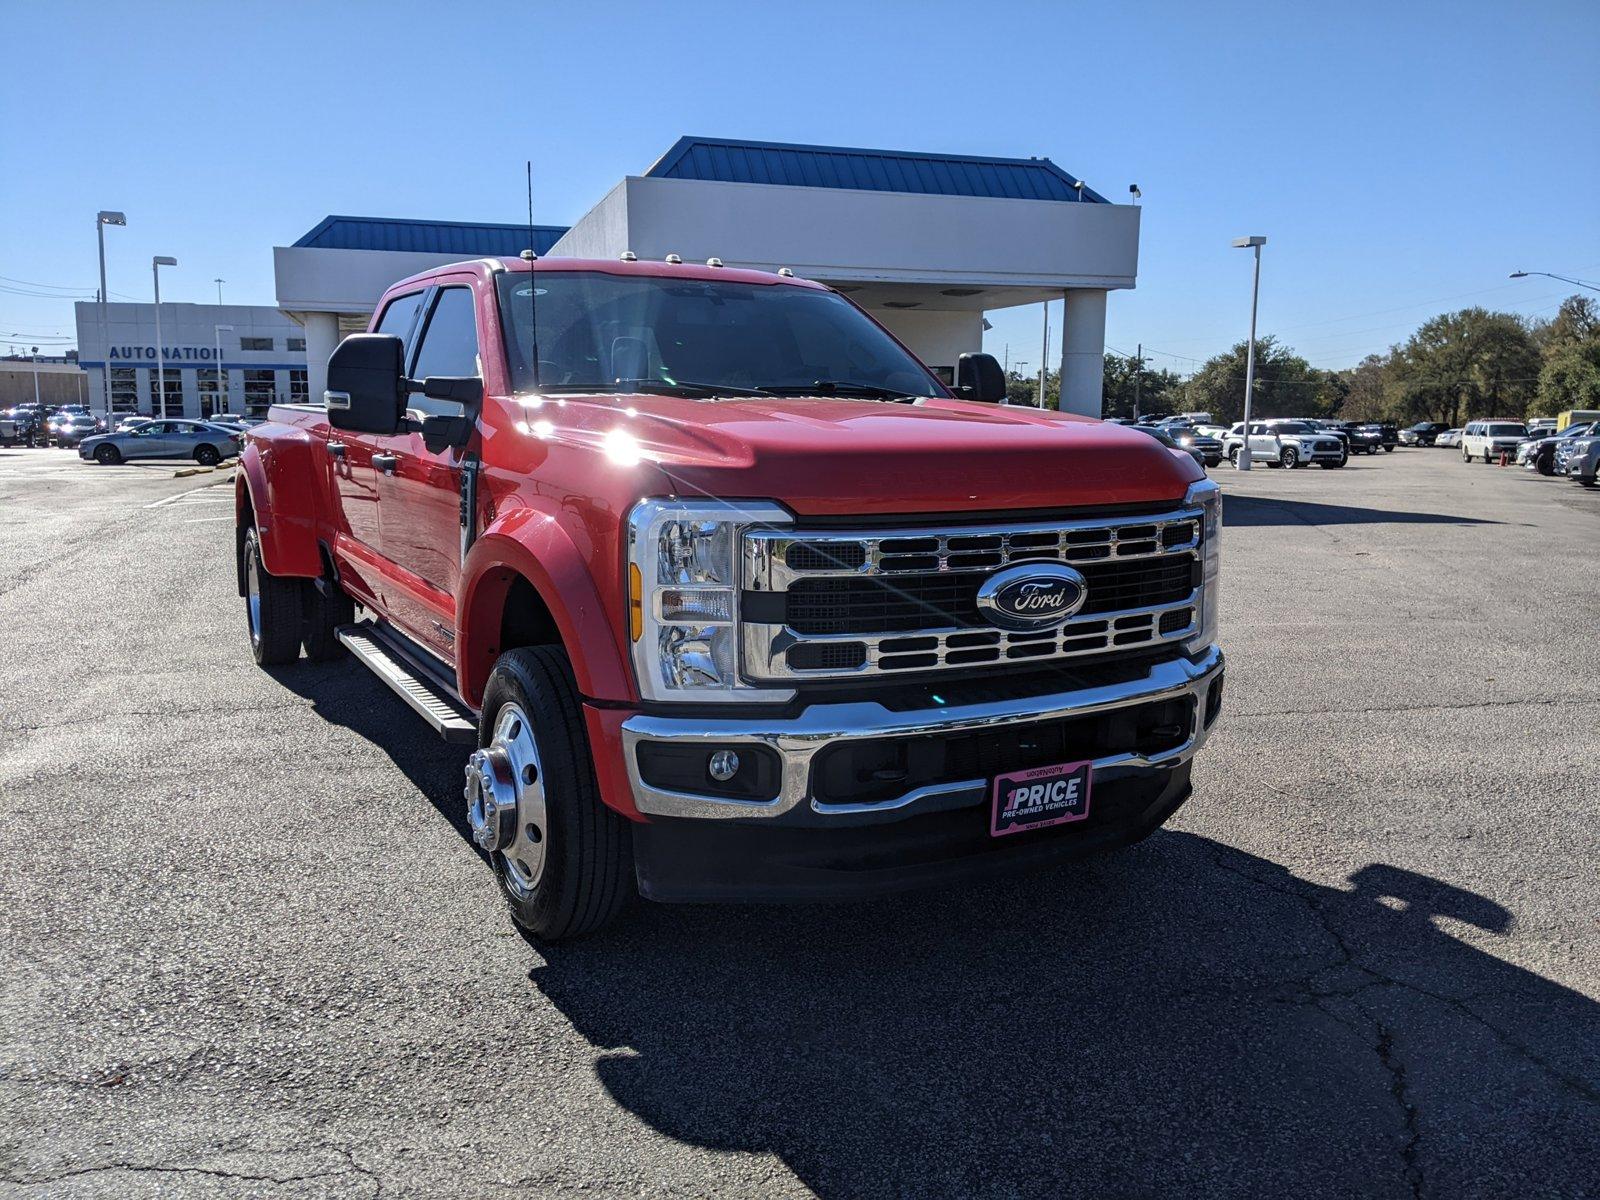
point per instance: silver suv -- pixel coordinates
(1286, 443)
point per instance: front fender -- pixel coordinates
(278, 483)
(538, 547)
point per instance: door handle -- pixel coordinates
(385, 463)
(336, 449)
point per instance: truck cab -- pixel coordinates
(732, 597)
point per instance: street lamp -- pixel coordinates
(1250, 243)
(101, 220)
(219, 283)
(222, 376)
(156, 263)
(1575, 282)
(35, 355)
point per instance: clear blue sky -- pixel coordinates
(1401, 157)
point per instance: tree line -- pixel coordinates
(1454, 368)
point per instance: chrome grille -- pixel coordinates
(840, 604)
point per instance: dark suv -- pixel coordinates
(1423, 433)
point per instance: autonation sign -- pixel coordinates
(170, 354)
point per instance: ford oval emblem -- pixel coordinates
(1032, 596)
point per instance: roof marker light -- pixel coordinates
(674, 259)
(628, 256)
(785, 272)
(713, 262)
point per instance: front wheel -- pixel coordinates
(107, 456)
(1334, 465)
(1288, 458)
(1233, 456)
(564, 860)
(272, 607)
(1388, 449)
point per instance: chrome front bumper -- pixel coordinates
(797, 740)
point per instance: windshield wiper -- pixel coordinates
(662, 387)
(835, 387)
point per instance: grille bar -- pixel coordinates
(853, 603)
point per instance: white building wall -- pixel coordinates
(189, 338)
(937, 338)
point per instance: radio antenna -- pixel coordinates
(528, 256)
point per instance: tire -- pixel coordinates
(321, 614)
(272, 608)
(1233, 456)
(206, 455)
(533, 728)
(1288, 458)
(1388, 449)
(107, 456)
(1333, 466)
(1465, 457)
(1545, 464)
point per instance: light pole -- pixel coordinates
(156, 263)
(101, 220)
(35, 356)
(222, 376)
(1575, 282)
(1250, 243)
(219, 283)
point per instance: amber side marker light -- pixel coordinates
(635, 602)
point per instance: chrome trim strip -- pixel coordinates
(766, 551)
(766, 647)
(797, 740)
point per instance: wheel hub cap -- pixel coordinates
(506, 800)
(491, 799)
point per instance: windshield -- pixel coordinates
(601, 332)
(1507, 430)
(1294, 427)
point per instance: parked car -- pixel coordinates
(1542, 427)
(1166, 438)
(647, 578)
(1538, 452)
(1210, 429)
(75, 427)
(1286, 444)
(205, 444)
(1581, 463)
(1206, 448)
(1351, 433)
(1423, 433)
(1450, 437)
(1489, 438)
(18, 427)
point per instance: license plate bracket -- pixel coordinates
(1040, 797)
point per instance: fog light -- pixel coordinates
(724, 765)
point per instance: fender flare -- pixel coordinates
(286, 517)
(535, 545)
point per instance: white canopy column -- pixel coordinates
(1083, 343)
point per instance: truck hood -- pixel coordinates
(843, 456)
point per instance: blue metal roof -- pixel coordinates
(729, 161)
(466, 238)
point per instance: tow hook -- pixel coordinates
(491, 795)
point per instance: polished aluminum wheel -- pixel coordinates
(252, 589)
(505, 800)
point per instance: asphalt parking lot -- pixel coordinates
(247, 949)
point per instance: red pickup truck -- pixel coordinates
(734, 597)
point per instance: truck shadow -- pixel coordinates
(1240, 510)
(1179, 1018)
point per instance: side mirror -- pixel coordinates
(365, 385)
(979, 377)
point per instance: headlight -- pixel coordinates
(683, 597)
(1208, 496)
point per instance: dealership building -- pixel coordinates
(215, 358)
(927, 243)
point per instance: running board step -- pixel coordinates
(378, 651)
